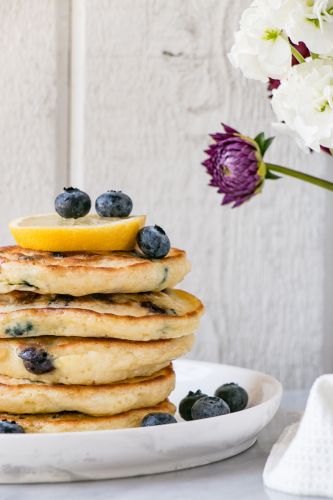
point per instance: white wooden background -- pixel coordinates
(121, 94)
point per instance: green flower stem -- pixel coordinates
(297, 55)
(314, 55)
(300, 175)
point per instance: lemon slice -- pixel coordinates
(91, 233)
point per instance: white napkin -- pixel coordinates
(301, 462)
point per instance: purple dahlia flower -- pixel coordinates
(235, 164)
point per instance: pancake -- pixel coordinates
(145, 316)
(76, 422)
(82, 273)
(61, 360)
(22, 396)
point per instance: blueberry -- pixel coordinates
(185, 406)
(72, 203)
(153, 242)
(153, 308)
(36, 360)
(158, 419)
(235, 396)
(19, 329)
(10, 427)
(114, 204)
(207, 407)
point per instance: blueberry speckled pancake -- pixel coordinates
(63, 360)
(76, 422)
(81, 273)
(145, 316)
(24, 397)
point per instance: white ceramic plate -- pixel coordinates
(32, 458)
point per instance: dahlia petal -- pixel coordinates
(227, 199)
(228, 129)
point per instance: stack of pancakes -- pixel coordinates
(87, 340)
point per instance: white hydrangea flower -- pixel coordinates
(304, 102)
(277, 10)
(311, 21)
(260, 50)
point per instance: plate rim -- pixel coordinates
(85, 434)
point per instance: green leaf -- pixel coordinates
(267, 144)
(260, 138)
(271, 176)
(263, 143)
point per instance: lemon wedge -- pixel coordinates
(91, 233)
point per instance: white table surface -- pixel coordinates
(237, 478)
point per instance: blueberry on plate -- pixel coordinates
(235, 396)
(185, 406)
(158, 419)
(207, 407)
(153, 242)
(10, 427)
(114, 204)
(72, 203)
(36, 360)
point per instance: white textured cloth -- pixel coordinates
(301, 462)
